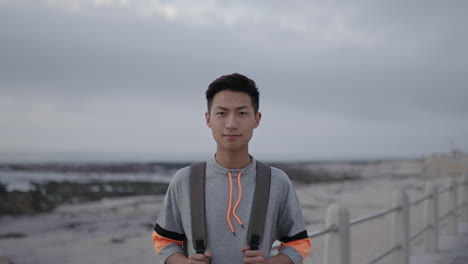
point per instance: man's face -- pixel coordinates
(232, 120)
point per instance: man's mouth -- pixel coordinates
(231, 136)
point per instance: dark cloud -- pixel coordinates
(392, 63)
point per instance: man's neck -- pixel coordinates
(230, 160)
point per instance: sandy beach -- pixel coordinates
(118, 230)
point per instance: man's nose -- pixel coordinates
(231, 122)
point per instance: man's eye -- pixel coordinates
(243, 113)
(220, 113)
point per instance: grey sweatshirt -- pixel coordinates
(284, 221)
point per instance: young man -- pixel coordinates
(233, 102)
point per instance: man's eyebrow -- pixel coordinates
(227, 109)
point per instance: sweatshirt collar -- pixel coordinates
(213, 164)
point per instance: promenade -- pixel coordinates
(452, 249)
(428, 229)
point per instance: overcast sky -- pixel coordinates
(337, 79)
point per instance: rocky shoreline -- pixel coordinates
(45, 197)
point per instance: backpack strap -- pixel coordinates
(259, 206)
(197, 206)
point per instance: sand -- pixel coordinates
(119, 230)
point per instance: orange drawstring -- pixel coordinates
(228, 214)
(239, 197)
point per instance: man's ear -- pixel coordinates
(208, 119)
(258, 116)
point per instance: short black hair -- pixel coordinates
(234, 82)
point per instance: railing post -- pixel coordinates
(337, 244)
(401, 228)
(431, 210)
(452, 223)
(464, 201)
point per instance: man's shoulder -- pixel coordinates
(181, 175)
(279, 174)
(279, 179)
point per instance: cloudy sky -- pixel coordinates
(338, 79)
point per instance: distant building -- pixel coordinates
(455, 163)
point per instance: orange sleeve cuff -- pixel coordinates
(301, 245)
(160, 242)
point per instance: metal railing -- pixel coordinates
(374, 215)
(337, 235)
